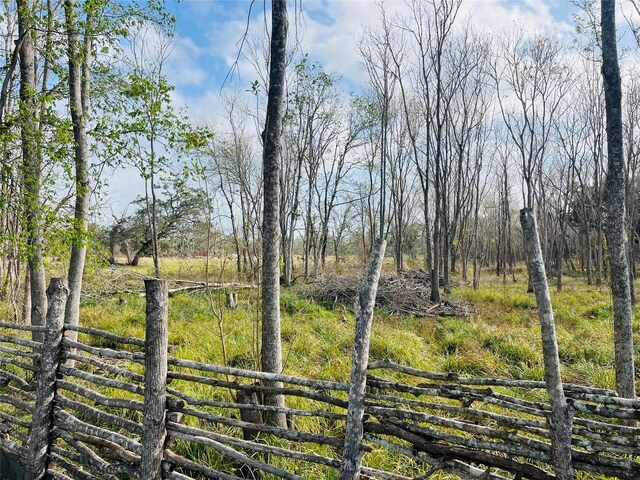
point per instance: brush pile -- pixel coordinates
(403, 293)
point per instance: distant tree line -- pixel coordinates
(466, 127)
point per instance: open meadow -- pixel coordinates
(496, 336)
(500, 338)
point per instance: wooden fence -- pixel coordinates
(82, 403)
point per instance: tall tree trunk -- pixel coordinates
(435, 267)
(79, 104)
(32, 166)
(476, 242)
(599, 253)
(615, 202)
(446, 252)
(560, 254)
(288, 245)
(588, 250)
(271, 355)
(631, 209)
(26, 298)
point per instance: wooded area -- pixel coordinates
(455, 130)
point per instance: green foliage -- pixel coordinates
(176, 211)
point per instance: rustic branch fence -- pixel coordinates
(114, 407)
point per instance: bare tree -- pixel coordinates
(313, 125)
(411, 110)
(504, 241)
(375, 49)
(467, 71)
(334, 170)
(571, 134)
(431, 27)
(632, 124)
(402, 185)
(239, 172)
(531, 81)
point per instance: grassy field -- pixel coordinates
(501, 338)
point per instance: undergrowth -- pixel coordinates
(501, 339)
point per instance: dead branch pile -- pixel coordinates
(403, 293)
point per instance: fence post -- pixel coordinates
(352, 452)
(46, 379)
(560, 418)
(155, 379)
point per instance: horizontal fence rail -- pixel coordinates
(208, 420)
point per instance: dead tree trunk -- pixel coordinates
(352, 453)
(155, 378)
(39, 438)
(560, 418)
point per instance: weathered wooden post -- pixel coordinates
(352, 453)
(155, 379)
(560, 419)
(50, 355)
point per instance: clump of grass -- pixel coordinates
(535, 372)
(598, 312)
(513, 351)
(523, 301)
(482, 295)
(455, 336)
(472, 364)
(405, 348)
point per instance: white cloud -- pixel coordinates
(124, 186)
(530, 16)
(185, 63)
(203, 108)
(331, 29)
(334, 43)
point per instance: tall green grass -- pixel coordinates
(501, 338)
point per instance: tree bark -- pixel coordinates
(615, 203)
(78, 101)
(155, 378)
(40, 435)
(560, 418)
(271, 355)
(352, 453)
(32, 166)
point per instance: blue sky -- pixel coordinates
(209, 31)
